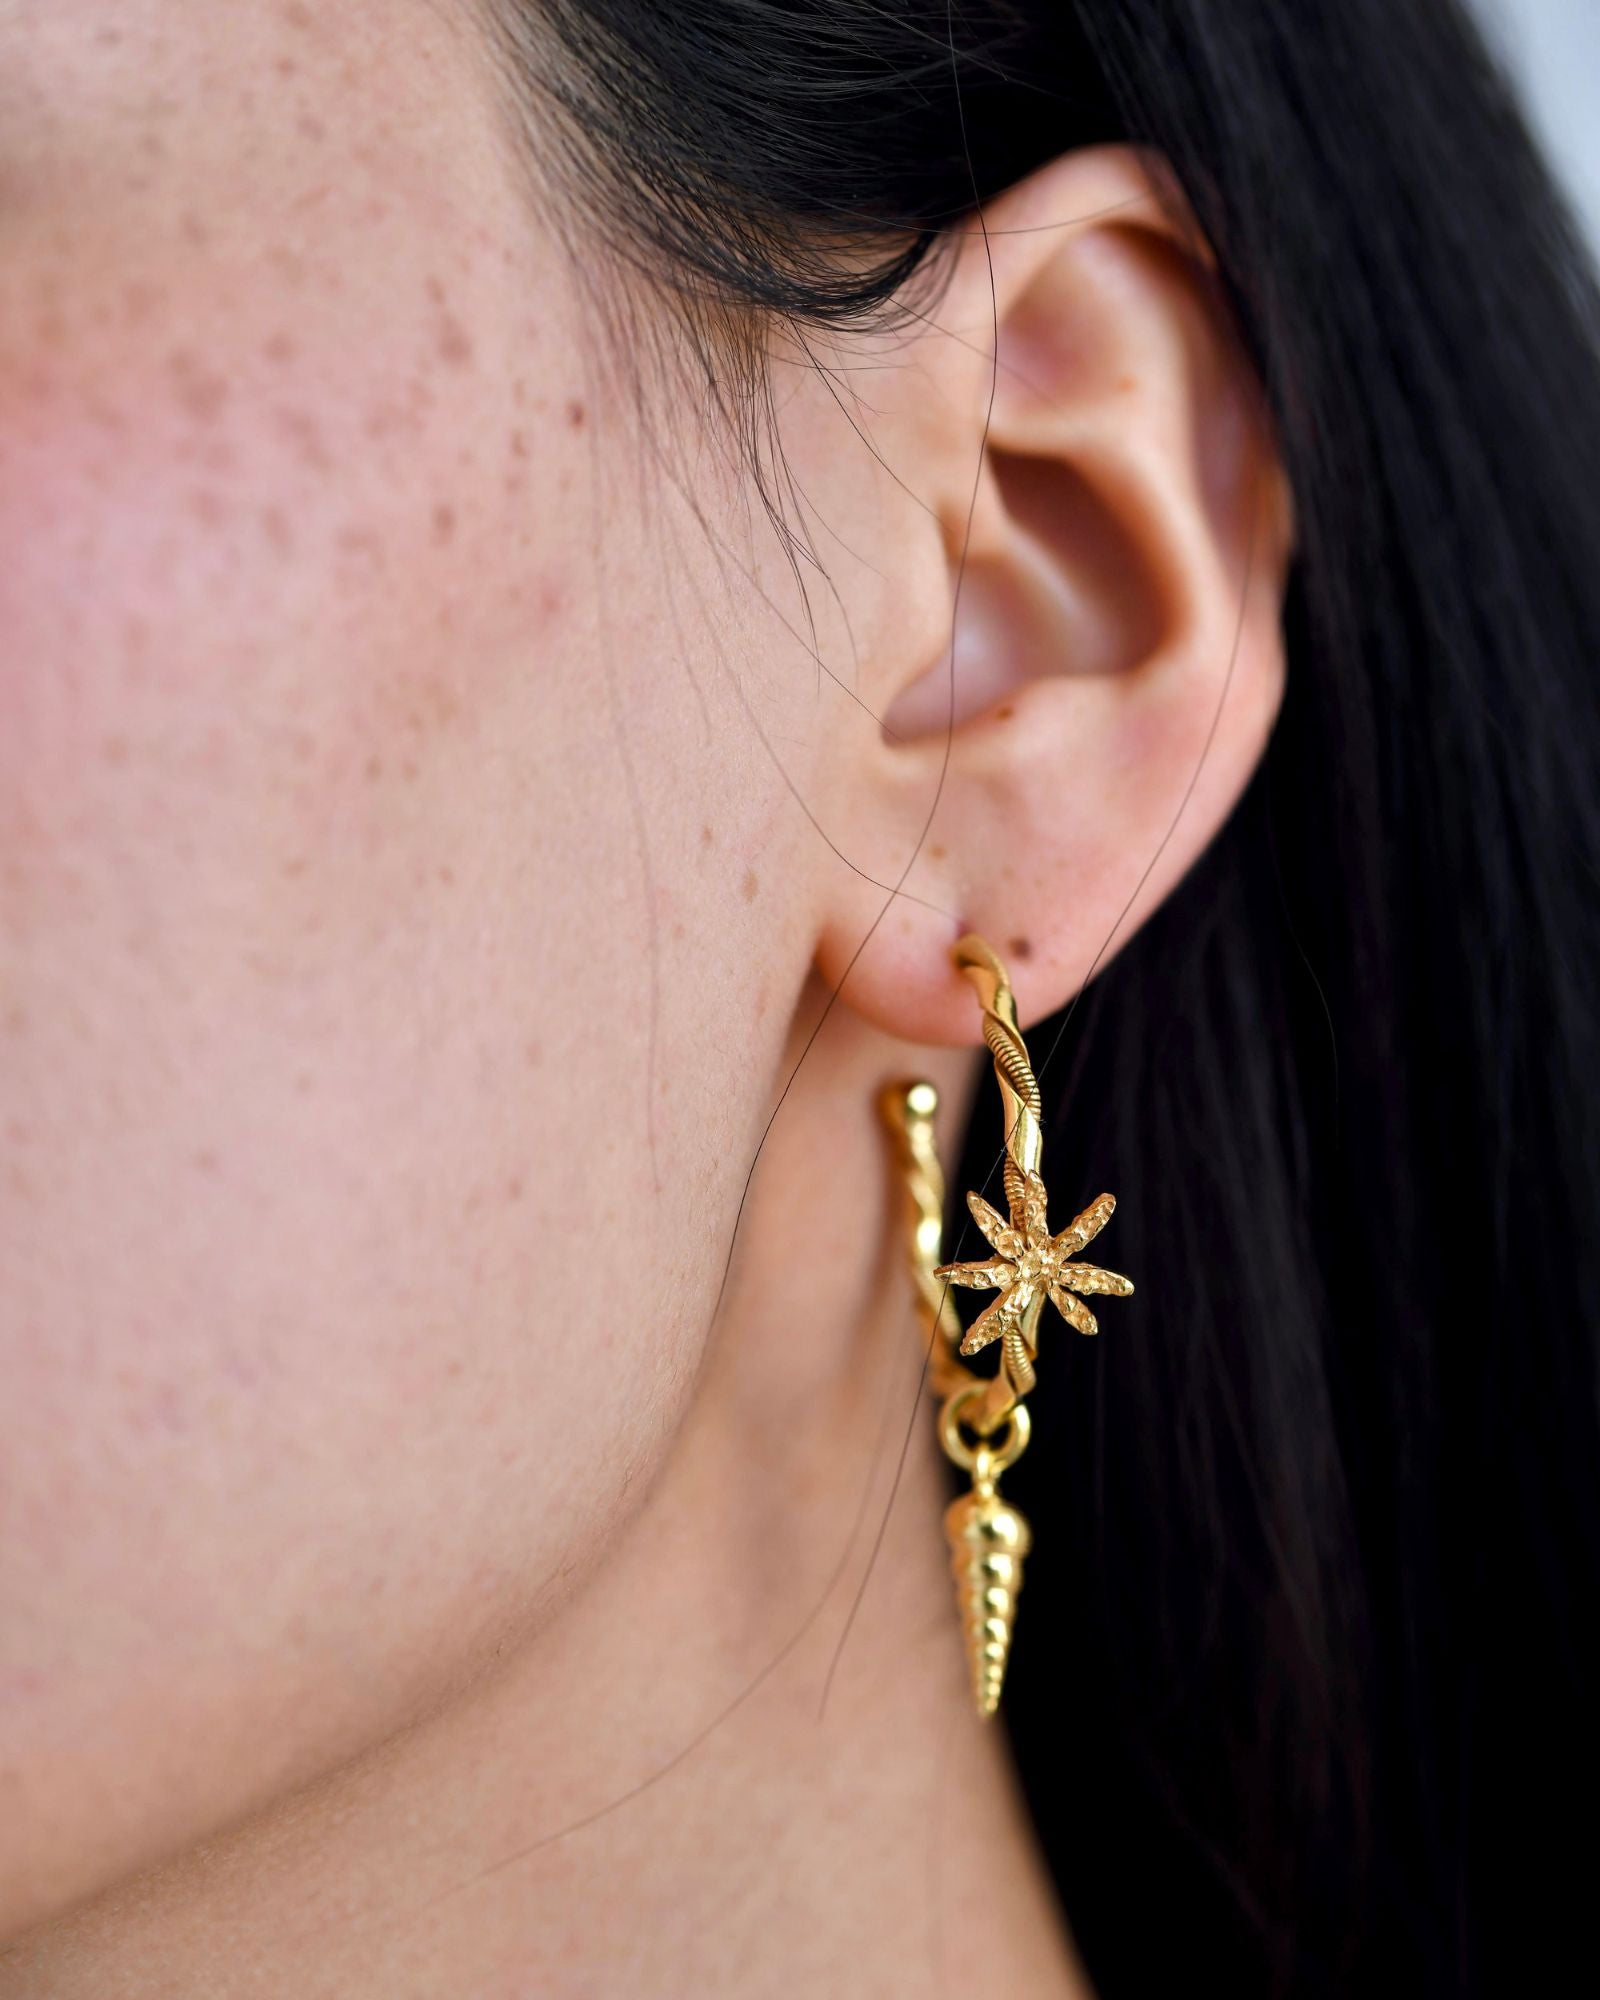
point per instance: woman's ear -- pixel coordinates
(1099, 518)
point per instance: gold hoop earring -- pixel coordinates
(983, 1422)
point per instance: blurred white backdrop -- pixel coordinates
(1552, 48)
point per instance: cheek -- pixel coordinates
(291, 949)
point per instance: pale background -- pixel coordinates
(1552, 48)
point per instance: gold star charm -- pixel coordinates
(1031, 1265)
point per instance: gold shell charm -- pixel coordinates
(988, 1537)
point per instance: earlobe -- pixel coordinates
(1117, 534)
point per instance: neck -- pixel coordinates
(737, 1762)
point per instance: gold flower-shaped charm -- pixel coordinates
(1031, 1265)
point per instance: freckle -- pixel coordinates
(201, 392)
(109, 38)
(195, 230)
(116, 749)
(1020, 947)
(514, 1188)
(152, 145)
(434, 289)
(374, 770)
(105, 416)
(519, 392)
(749, 886)
(454, 345)
(535, 1054)
(295, 865)
(206, 1161)
(519, 445)
(139, 298)
(304, 1082)
(297, 14)
(278, 531)
(289, 261)
(1004, 712)
(444, 522)
(550, 599)
(287, 66)
(1127, 382)
(706, 836)
(311, 128)
(679, 931)
(280, 348)
(408, 770)
(359, 541)
(307, 434)
(936, 852)
(576, 414)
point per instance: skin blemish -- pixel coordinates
(208, 507)
(514, 1188)
(311, 128)
(444, 523)
(307, 436)
(1004, 712)
(454, 346)
(535, 1054)
(1020, 947)
(749, 886)
(139, 299)
(706, 836)
(297, 14)
(116, 749)
(280, 347)
(275, 526)
(195, 230)
(286, 66)
(363, 542)
(575, 414)
(200, 390)
(549, 597)
(374, 770)
(936, 852)
(519, 445)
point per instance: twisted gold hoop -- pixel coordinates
(988, 1538)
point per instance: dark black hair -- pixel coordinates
(1306, 1690)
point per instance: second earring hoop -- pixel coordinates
(983, 1421)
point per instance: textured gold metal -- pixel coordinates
(988, 1537)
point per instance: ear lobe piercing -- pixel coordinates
(983, 1422)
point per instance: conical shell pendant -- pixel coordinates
(988, 1540)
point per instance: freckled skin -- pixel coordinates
(324, 913)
